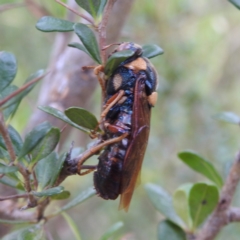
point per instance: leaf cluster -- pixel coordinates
(89, 43)
(191, 203)
(35, 163)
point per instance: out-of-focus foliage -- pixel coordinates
(199, 77)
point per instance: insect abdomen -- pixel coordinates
(107, 178)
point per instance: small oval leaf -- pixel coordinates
(91, 6)
(7, 169)
(8, 69)
(203, 199)
(11, 182)
(48, 192)
(168, 230)
(58, 114)
(46, 145)
(52, 24)
(112, 230)
(162, 201)
(151, 50)
(8, 110)
(115, 60)
(34, 137)
(236, 3)
(77, 200)
(80, 47)
(82, 118)
(48, 169)
(22, 94)
(15, 139)
(228, 117)
(61, 196)
(180, 203)
(88, 39)
(200, 165)
(29, 233)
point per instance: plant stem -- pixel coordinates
(22, 170)
(223, 214)
(90, 20)
(6, 138)
(25, 195)
(102, 29)
(15, 93)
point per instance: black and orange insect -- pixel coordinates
(130, 93)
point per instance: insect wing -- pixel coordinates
(138, 143)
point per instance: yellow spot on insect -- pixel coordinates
(137, 65)
(152, 99)
(117, 81)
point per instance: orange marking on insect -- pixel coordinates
(152, 99)
(137, 65)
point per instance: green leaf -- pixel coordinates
(8, 111)
(151, 50)
(8, 69)
(200, 165)
(80, 47)
(101, 7)
(203, 199)
(112, 230)
(236, 3)
(180, 203)
(61, 196)
(48, 169)
(48, 192)
(4, 221)
(4, 155)
(168, 230)
(17, 99)
(29, 233)
(162, 201)
(15, 139)
(88, 39)
(10, 182)
(34, 137)
(91, 6)
(58, 114)
(82, 117)
(83, 196)
(72, 226)
(52, 24)
(46, 145)
(115, 60)
(7, 169)
(228, 117)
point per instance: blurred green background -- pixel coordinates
(199, 74)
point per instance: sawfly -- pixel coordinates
(129, 95)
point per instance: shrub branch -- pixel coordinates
(224, 213)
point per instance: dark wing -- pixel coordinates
(138, 142)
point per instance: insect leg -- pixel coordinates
(110, 103)
(97, 71)
(87, 154)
